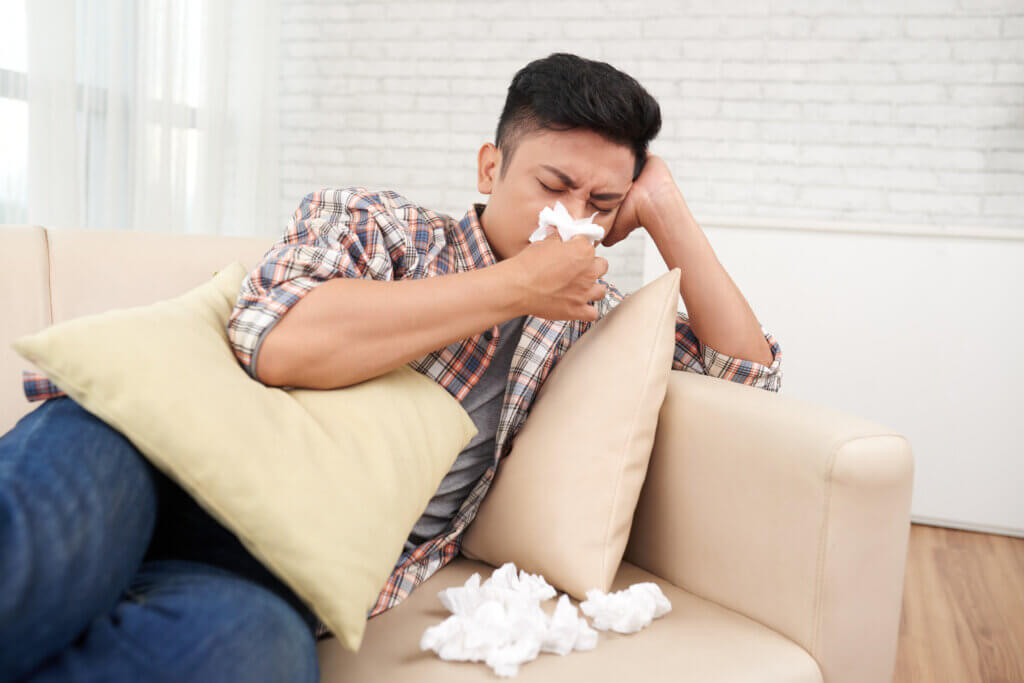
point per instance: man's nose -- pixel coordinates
(577, 207)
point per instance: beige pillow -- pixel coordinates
(323, 487)
(562, 501)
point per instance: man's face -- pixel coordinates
(542, 169)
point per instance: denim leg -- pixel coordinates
(189, 621)
(186, 531)
(77, 511)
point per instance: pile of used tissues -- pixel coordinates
(501, 622)
(567, 227)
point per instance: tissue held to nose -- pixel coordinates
(567, 227)
(502, 623)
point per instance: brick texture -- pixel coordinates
(866, 111)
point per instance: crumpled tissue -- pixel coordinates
(628, 610)
(567, 226)
(501, 622)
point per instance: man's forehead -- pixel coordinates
(548, 155)
(602, 177)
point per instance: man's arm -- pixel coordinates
(349, 330)
(719, 314)
(691, 355)
(337, 300)
(719, 331)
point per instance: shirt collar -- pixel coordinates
(473, 240)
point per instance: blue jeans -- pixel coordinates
(109, 571)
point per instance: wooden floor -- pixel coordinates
(963, 608)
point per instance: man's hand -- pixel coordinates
(654, 179)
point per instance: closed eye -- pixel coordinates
(599, 209)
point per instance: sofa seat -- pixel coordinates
(698, 641)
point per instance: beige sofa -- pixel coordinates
(777, 528)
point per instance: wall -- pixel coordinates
(905, 111)
(878, 117)
(913, 327)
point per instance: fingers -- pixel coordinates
(588, 314)
(587, 245)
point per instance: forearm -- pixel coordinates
(719, 314)
(349, 330)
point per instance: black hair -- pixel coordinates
(564, 91)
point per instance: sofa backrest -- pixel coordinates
(51, 275)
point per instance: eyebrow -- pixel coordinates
(606, 196)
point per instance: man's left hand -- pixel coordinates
(654, 180)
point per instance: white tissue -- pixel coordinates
(628, 610)
(501, 621)
(567, 227)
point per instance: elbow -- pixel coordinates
(282, 362)
(270, 360)
(269, 374)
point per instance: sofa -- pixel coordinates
(777, 528)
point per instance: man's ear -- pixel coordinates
(488, 162)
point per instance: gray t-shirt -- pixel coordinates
(483, 403)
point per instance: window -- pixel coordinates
(118, 114)
(136, 109)
(13, 111)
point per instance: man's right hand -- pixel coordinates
(558, 278)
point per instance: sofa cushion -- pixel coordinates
(697, 641)
(321, 486)
(562, 501)
(64, 273)
(24, 308)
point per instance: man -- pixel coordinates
(363, 282)
(131, 579)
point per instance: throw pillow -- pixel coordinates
(322, 486)
(562, 501)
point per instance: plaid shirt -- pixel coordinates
(356, 233)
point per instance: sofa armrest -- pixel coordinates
(793, 514)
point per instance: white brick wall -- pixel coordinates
(895, 111)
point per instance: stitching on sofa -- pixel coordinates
(49, 273)
(823, 545)
(822, 548)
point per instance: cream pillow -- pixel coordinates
(562, 501)
(323, 487)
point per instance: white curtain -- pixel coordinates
(155, 115)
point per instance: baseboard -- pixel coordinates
(967, 526)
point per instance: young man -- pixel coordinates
(360, 283)
(363, 282)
